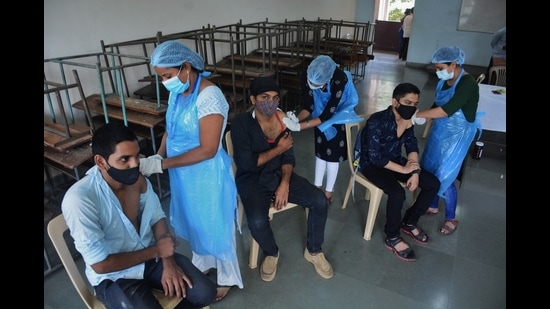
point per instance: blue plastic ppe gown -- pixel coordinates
(343, 117)
(449, 140)
(345, 112)
(203, 195)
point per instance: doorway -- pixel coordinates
(388, 22)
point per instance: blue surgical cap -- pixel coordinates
(449, 54)
(320, 70)
(173, 53)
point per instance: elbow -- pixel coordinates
(100, 268)
(209, 153)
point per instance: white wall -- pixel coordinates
(76, 26)
(73, 27)
(435, 25)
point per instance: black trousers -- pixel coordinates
(404, 49)
(388, 181)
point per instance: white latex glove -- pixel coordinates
(292, 125)
(150, 165)
(415, 120)
(292, 117)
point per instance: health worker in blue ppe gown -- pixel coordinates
(203, 203)
(330, 99)
(455, 125)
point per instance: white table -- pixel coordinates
(494, 106)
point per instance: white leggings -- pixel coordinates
(332, 171)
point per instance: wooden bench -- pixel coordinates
(303, 53)
(69, 162)
(225, 67)
(73, 162)
(139, 105)
(257, 58)
(54, 136)
(345, 42)
(61, 132)
(150, 91)
(145, 118)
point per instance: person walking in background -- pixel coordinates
(264, 156)
(455, 124)
(498, 45)
(400, 46)
(121, 231)
(203, 204)
(407, 25)
(330, 99)
(383, 138)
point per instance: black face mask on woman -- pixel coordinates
(406, 112)
(127, 176)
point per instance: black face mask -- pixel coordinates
(406, 112)
(127, 176)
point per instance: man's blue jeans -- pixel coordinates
(136, 293)
(256, 200)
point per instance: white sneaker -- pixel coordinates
(269, 267)
(322, 266)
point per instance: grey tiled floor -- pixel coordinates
(464, 270)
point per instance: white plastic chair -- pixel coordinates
(480, 78)
(497, 75)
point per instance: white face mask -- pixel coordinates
(313, 87)
(445, 75)
(175, 85)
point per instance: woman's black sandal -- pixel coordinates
(405, 255)
(422, 238)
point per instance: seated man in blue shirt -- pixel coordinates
(264, 155)
(120, 229)
(382, 162)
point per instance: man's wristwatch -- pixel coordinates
(416, 171)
